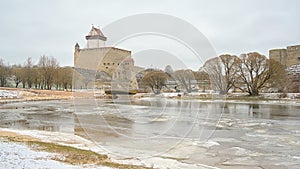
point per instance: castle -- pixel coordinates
(288, 57)
(114, 63)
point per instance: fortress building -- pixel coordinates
(288, 57)
(111, 62)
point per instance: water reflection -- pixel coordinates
(37, 116)
(226, 109)
(141, 115)
(100, 128)
(254, 111)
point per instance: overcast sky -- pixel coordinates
(33, 28)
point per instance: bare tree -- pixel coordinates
(185, 78)
(64, 78)
(254, 72)
(222, 71)
(37, 77)
(203, 80)
(230, 70)
(155, 80)
(28, 72)
(4, 73)
(17, 72)
(48, 66)
(214, 67)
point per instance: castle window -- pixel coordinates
(106, 67)
(107, 63)
(113, 63)
(103, 63)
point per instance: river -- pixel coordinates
(214, 133)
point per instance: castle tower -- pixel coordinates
(110, 63)
(76, 53)
(288, 57)
(95, 38)
(279, 55)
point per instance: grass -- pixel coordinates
(70, 154)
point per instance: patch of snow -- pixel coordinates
(163, 163)
(8, 94)
(171, 94)
(206, 144)
(231, 140)
(17, 155)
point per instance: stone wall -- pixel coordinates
(114, 62)
(278, 55)
(288, 57)
(293, 55)
(106, 59)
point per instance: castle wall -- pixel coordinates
(88, 58)
(113, 60)
(278, 55)
(287, 57)
(293, 53)
(99, 62)
(106, 59)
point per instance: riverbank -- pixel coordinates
(59, 149)
(31, 148)
(266, 98)
(10, 95)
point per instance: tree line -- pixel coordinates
(45, 74)
(251, 73)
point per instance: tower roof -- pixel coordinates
(95, 33)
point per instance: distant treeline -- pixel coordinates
(46, 74)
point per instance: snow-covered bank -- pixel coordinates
(77, 142)
(19, 155)
(240, 98)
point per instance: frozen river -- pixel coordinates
(194, 133)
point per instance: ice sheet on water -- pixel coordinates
(206, 144)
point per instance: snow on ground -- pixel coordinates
(66, 139)
(19, 155)
(8, 94)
